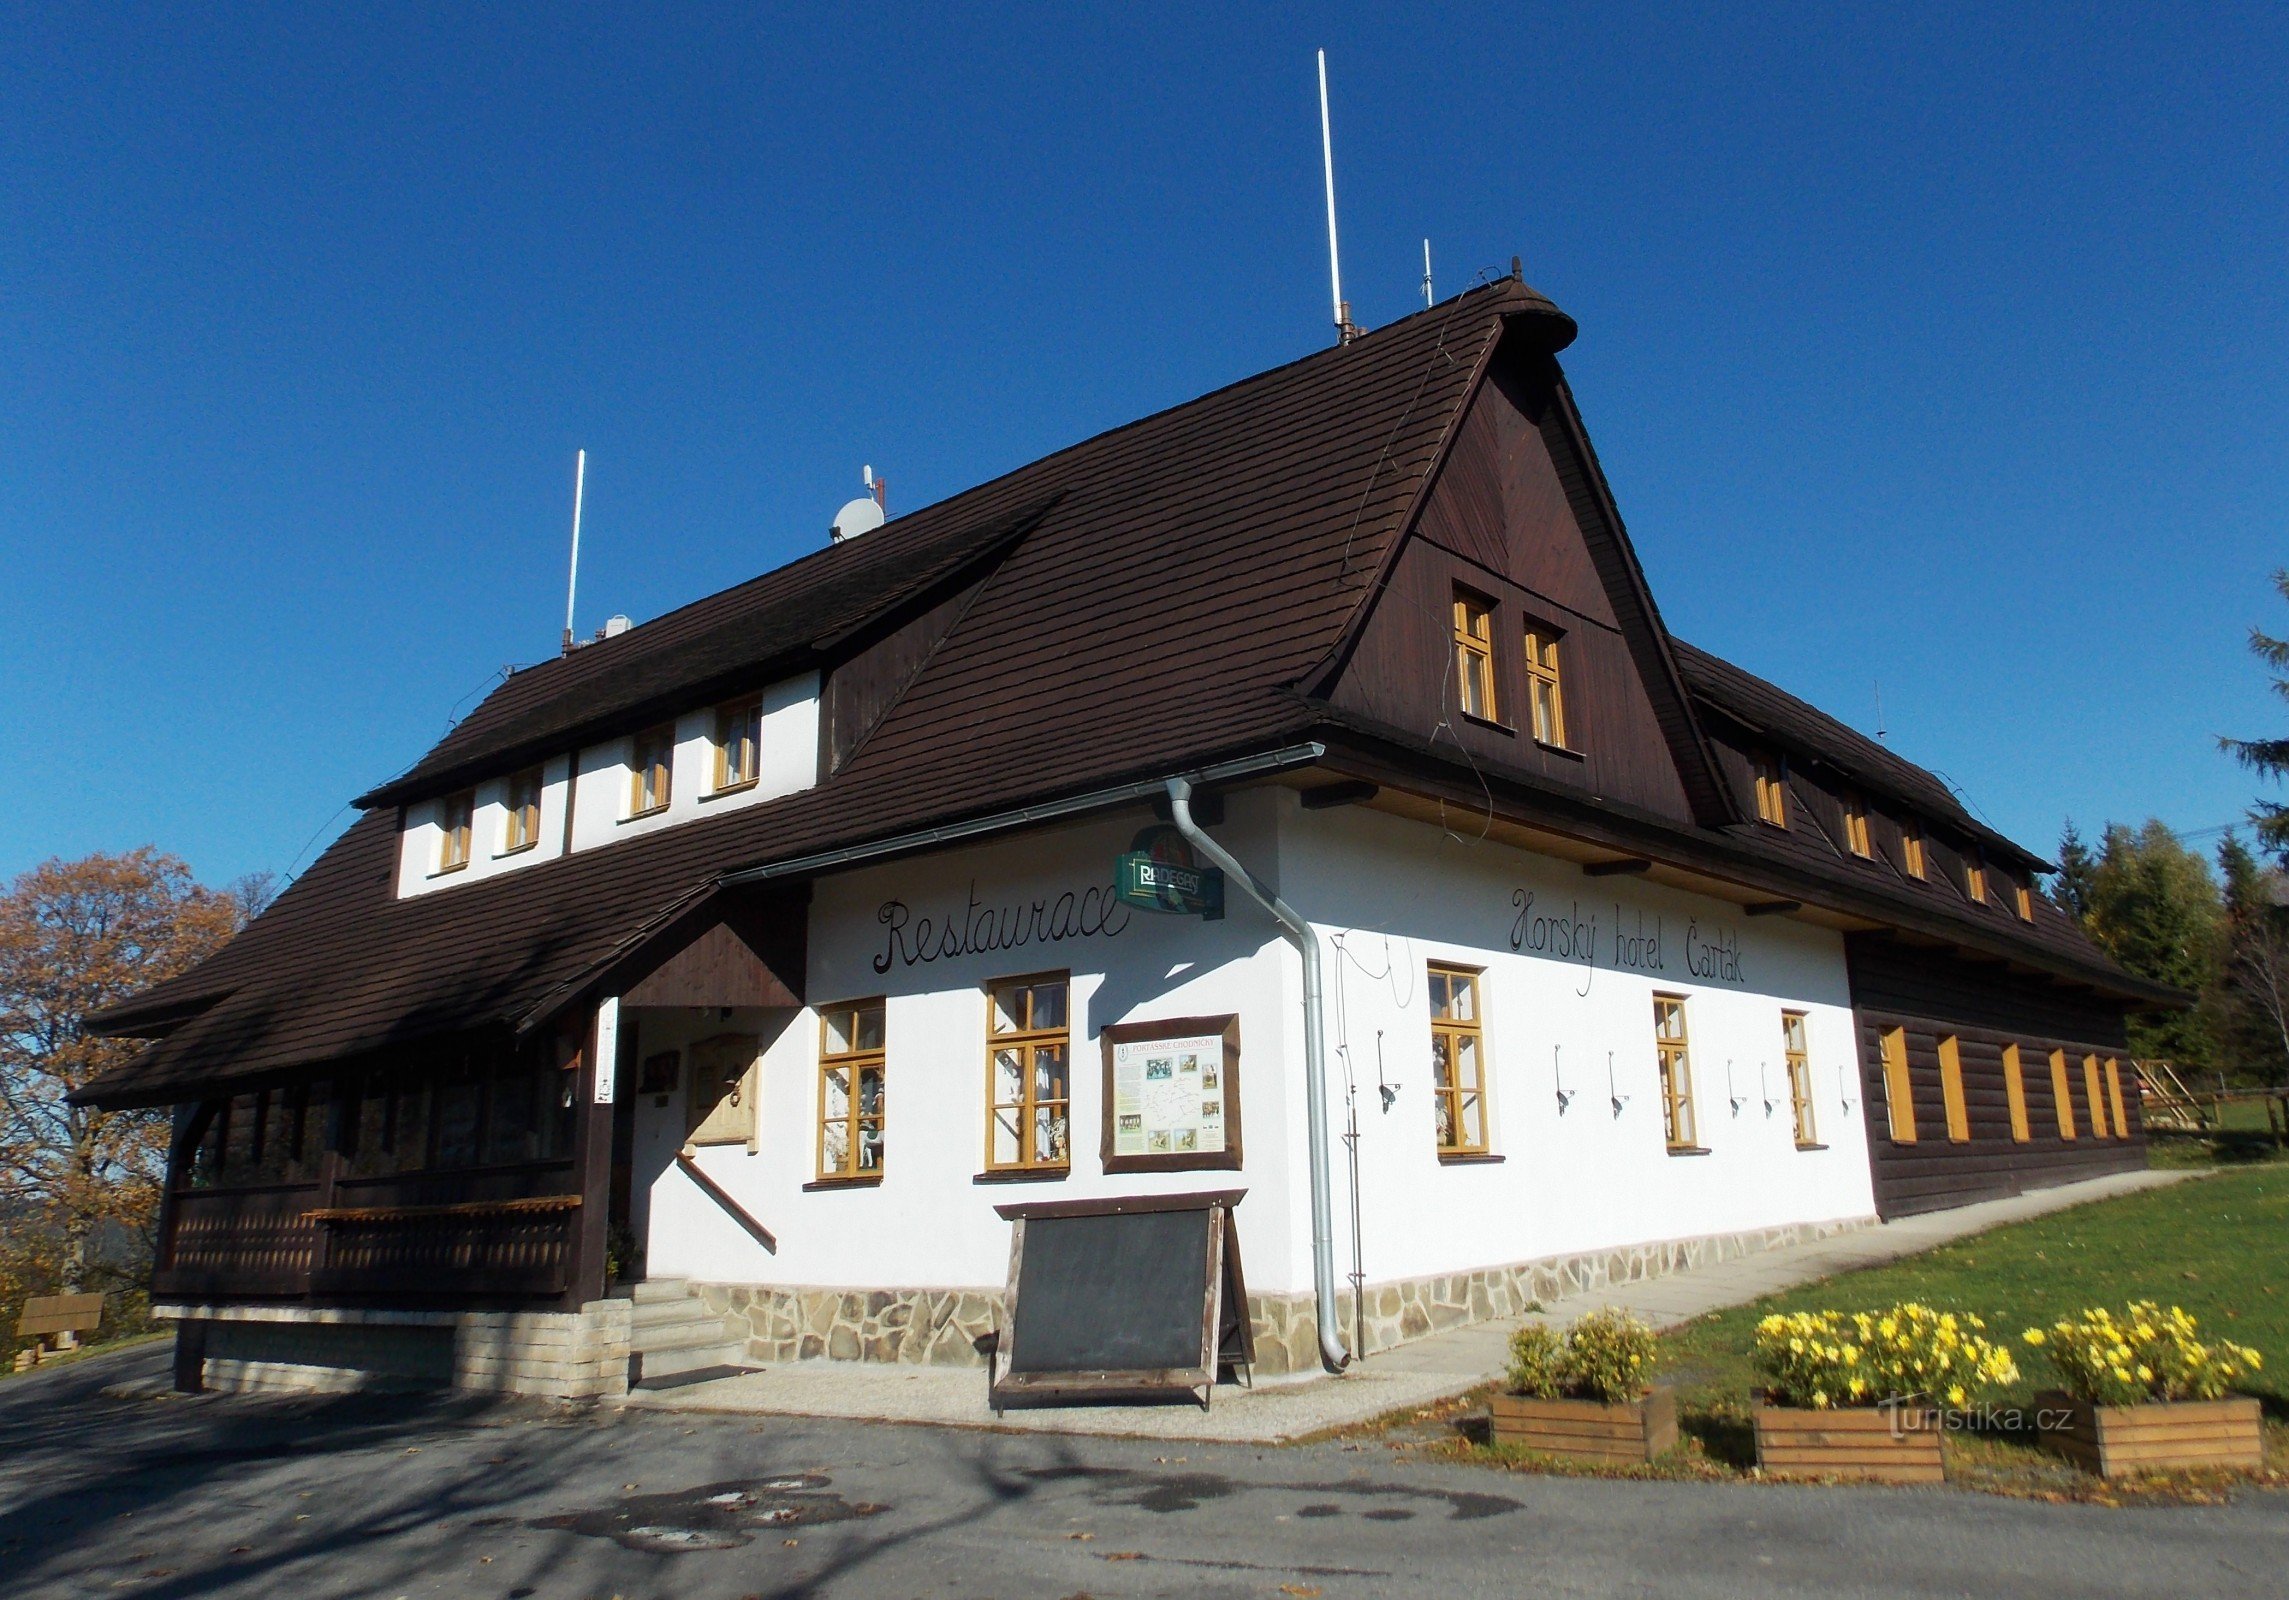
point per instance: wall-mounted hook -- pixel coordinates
(1736, 1101)
(1764, 1087)
(1613, 1089)
(1389, 1091)
(1565, 1096)
(1844, 1086)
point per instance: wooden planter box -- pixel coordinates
(2163, 1436)
(1872, 1444)
(1628, 1434)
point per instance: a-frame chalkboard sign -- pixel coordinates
(1121, 1299)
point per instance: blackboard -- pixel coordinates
(1121, 1297)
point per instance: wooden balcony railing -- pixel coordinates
(483, 1234)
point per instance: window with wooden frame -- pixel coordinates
(1029, 1067)
(1899, 1088)
(2015, 1092)
(652, 771)
(1951, 1089)
(1674, 1062)
(851, 1104)
(1543, 688)
(2114, 1097)
(1771, 790)
(1793, 1046)
(455, 815)
(520, 828)
(738, 744)
(1458, 1061)
(1912, 860)
(2025, 898)
(2062, 1094)
(1474, 655)
(1975, 878)
(1856, 836)
(2090, 1088)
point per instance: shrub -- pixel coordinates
(1606, 1356)
(1907, 1354)
(2144, 1354)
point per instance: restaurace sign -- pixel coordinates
(979, 928)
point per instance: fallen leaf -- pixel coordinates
(1302, 1591)
(1083, 1537)
(1122, 1555)
(789, 1543)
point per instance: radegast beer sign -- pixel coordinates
(1633, 941)
(1158, 873)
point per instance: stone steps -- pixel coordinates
(672, 1333)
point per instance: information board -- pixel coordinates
(1171, 1095)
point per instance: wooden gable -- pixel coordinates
(1518, 514)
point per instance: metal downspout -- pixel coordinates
(1331, 1351)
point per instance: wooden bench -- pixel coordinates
(58, 1317)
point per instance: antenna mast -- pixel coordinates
(572, 584)
(1344, 331)
(1427, 298)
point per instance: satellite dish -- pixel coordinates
(860, 516)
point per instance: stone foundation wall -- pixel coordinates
(921, 1327)
(567, 1355)
(943, 1327)
(1287, 1338)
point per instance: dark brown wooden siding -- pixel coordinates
(860, 690)
(1931, 995)
(1500, 522)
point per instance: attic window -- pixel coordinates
(738, 744)
(1911, 851)
(1975, 879)
(454, 814)
(1771, 790)
(1856, 828)
(1543, 688)
(521, 829)
(652, 771)
(2026, 902)
(1474, 654)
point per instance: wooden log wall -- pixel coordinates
(1931, 995)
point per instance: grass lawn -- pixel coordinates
(2219, 1246)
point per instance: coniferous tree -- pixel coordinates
(2155, 908)
(2269, 757)
(2070, 887)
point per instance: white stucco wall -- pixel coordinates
(788, 761)
(422, 835)
(930, 1221)
(1388, 896)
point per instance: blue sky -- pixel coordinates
(1936, 349)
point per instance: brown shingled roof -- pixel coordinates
(1199, 560)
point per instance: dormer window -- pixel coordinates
(1856, 837)
(455, 813)
(1771, 790)
(1543, 688)
(521, 828)
(1975, 879)
(2026, 901)
(1911, 852)
(653, 771)
(1474, 654)
(738, 744)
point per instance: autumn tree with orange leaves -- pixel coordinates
(76, 936)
